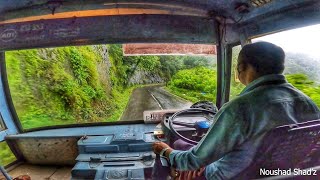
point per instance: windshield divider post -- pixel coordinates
(224, 58)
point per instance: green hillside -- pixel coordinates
(59, 86)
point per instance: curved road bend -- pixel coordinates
(151, 98)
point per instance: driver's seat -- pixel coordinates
(287, 147)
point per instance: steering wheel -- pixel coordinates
(200, 126)
(206, 105)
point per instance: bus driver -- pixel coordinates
(266, 102)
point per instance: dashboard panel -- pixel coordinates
(102, 152)
(121, 156)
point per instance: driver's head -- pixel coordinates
(259, 59)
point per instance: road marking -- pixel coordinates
(181, 98)
(156, 100)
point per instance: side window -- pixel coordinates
(236, 86)
(302, 62)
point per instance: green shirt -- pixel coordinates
(239, 126)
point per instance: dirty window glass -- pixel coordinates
(6, 156)
(87, 84)
(302, 62)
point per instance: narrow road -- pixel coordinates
(151, 98)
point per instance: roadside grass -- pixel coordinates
(34, 120)
(6, 156)
(121, 100)
(193, 96)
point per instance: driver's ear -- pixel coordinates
(236, 75)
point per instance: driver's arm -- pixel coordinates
(227, 132)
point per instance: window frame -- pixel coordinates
(12, 123)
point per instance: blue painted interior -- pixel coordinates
(124, 154)
(82, 131)
(115, 170)
(6, 114)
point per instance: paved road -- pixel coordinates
(151, 98)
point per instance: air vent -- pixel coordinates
(259, 3)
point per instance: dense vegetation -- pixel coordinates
(58, 86)
(200, 83)
(306, 85)
(194, 84)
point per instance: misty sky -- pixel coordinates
(303, 40)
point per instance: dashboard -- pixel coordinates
(121, 156)
(122, 151)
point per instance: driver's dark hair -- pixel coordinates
(266, 58)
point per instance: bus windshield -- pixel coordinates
(88, 84)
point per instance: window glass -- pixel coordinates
(302, 61)
(74, 85)
(6, 156)
(236, 86)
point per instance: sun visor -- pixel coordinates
(168, 49)
(106, 30)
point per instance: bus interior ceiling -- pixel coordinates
(26, 24)
(57, 23)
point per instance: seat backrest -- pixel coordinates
(287, 147)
